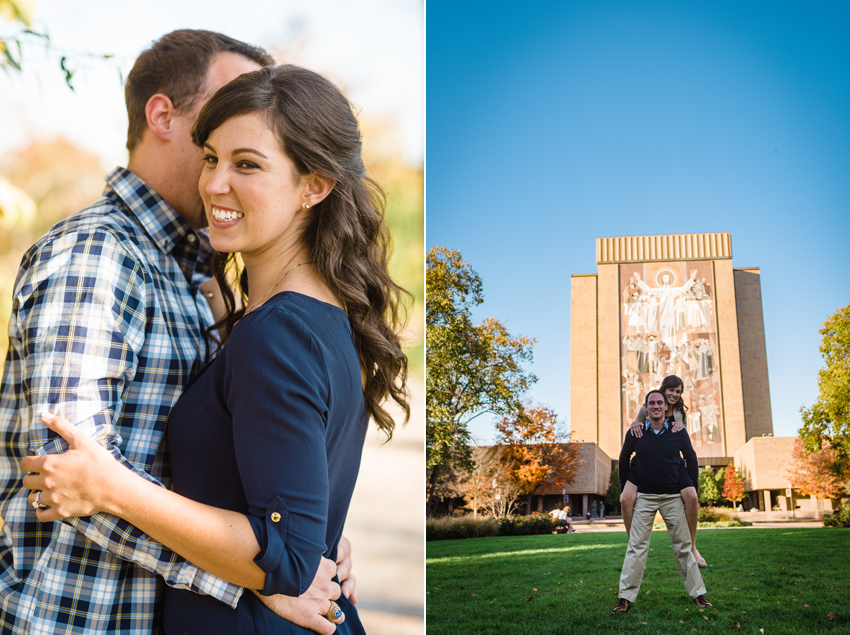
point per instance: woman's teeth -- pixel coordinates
(224, 215)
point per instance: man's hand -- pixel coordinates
(636, 429)
(343, 570)
(309, 609)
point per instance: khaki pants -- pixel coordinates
(673, 511)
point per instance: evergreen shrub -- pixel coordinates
(469, 527)
(463, 527)
(534, 524)
(840, 518)
(711, 515)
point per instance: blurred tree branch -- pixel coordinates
(20, 14)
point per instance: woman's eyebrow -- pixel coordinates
(248, 151)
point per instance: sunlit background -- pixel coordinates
(64, 127)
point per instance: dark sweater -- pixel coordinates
(656, 470)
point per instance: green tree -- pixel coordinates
(612, 495)
(720, 481)
(472, 368)
(708, 492)
(733, 485)
(828, 420)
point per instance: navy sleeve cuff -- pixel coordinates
(289, 561)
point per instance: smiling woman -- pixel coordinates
(263, 493)
(255, 200)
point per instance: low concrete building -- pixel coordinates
(587, 490)
(763, 463)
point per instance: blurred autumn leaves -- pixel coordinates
(39, 185)
(49, 180)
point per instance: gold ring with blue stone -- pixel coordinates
(334, 613)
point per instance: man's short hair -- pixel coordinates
(646, 399)
(176, 65)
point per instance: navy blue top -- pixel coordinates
(273, 428)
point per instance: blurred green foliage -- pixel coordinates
(405, 215)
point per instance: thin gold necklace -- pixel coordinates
(274, 286)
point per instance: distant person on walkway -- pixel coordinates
(676, 416)
(564, 515)
(657, 471)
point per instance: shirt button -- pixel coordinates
(191, 238)
(275, 517)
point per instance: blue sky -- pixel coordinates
(550, 124)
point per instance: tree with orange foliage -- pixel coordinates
(818, 473)
(541, 458)
(733, 486)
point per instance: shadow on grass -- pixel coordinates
(785, 581)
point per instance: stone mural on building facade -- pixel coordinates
(668, 326)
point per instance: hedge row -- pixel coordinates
(840, 518)
(711, 515)
(718, 523)
(468, 527)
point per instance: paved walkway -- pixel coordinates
(616, 524)
(386, 528)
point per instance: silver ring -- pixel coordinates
(334, 613)
(37, 504)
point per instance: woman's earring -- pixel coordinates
(305, 207)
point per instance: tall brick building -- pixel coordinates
(664, 305)
(674, 305)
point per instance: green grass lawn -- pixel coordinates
(787, 580)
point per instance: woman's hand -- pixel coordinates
(74, 483)
(677, 426)
(636, 429)
(309, 609)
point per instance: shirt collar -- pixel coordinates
(664, 427)
(160, 221)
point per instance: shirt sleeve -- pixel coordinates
(80, 333)
(79, 309)
(683, 416)
(641, 415)
(128, 542)
(277, 391)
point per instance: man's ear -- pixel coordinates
(160, 112)
(318, 188)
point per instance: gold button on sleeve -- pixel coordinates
(275, 517)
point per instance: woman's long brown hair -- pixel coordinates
(348, 239)
(673, 381)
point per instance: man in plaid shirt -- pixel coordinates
(106, 328)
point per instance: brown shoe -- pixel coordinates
(622, 606)
(701, 602)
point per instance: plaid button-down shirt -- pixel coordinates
(106, 329)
